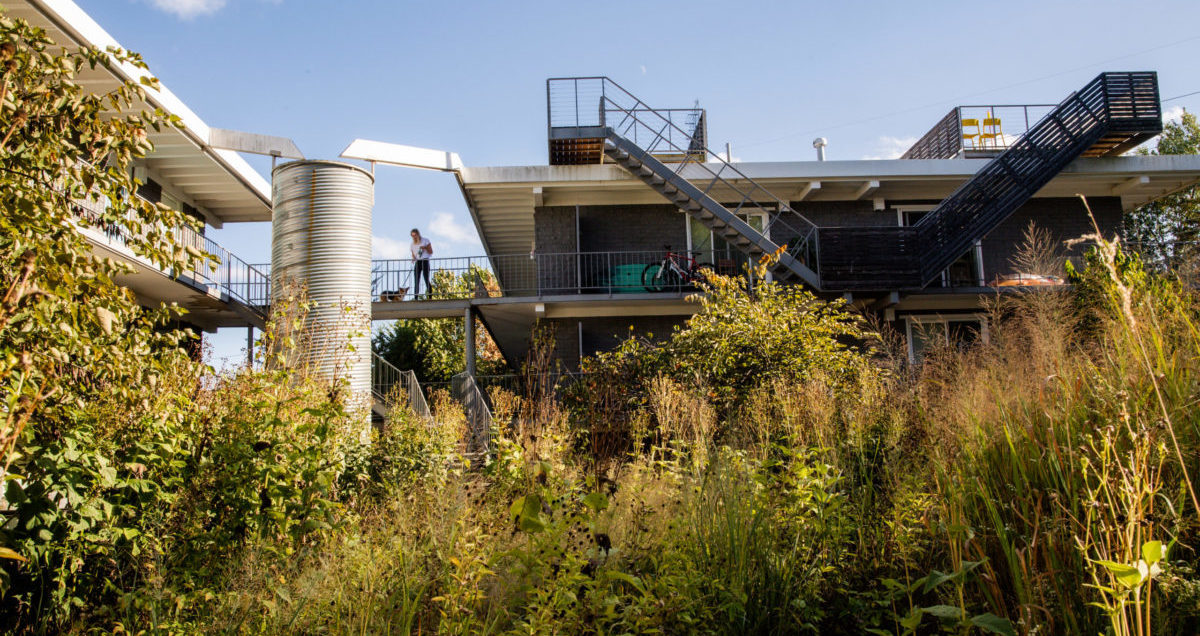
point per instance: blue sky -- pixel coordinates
(470, 76)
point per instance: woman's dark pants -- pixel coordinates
(421, 266)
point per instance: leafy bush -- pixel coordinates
(738, 341)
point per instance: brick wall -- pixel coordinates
(839, 213)
(554, 229)
(604, 334)
(1066, 219)
(609, 228)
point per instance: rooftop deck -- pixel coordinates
(977, 131)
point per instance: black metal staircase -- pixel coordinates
(1111, 114)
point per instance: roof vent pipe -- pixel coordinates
(819, 143)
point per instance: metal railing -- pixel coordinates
(987, 128)
(227, 273)
(388, 382)
(479, 414)
(571, 103)
(529, 275)
(516, 382)
(578, 102)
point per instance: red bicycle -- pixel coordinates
(676, 270)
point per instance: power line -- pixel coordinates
(1171, 99)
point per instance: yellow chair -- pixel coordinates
(991, 132)
(971, 132)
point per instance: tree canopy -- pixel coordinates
(1166, 230)
(433, 348)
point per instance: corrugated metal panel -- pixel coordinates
(321, 239)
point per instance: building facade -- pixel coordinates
(923, 241)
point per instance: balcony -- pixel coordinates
(613, 274)
(237, 293)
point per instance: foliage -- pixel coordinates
(69, 336)
(136, 504)
(771, 480)
(1166, 230)
(66, 166)
(434, 348)
(738, 341)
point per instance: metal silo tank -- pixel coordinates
(321, 240)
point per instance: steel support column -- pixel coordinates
(469, 340)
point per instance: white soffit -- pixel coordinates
(233, 190)
(400, 155)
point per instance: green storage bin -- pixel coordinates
(627, 279)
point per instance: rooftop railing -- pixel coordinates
(981, 128)
(599, 103)
(576, 103)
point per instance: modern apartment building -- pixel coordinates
(922, 241)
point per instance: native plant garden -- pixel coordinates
(775, 466)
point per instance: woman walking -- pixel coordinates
(421, 249)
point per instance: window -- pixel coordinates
(930, 332)
(967, 271)
(714, 250)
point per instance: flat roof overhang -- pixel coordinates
(502, 199)
(510, 320)
(207, 307)
(218, 182)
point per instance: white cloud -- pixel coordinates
(188, 9)
(1174, 113)
(643, 69)
(445, 227)
(389, 248)
(890, 147)
(449, 235)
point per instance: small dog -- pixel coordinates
(393, 296)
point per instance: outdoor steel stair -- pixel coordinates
(1111, 114)
(385, 378)
(702, 207)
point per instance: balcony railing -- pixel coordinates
(531, 275)
(228, 274)
(983, 129)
